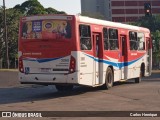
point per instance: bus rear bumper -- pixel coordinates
(47, 79)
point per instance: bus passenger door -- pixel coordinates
(149, 56)
(97, 54)
(123, 57)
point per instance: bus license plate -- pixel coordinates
(46, 70)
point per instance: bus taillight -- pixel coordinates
(72, 65)
(21, 69)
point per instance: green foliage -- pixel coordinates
(152, 22)
(2, 43)
(156, 44)
(12, 21)
(33, 7)
(53, 11)
(13, 16)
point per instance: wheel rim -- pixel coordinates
(109, 79)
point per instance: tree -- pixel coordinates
(33, 7)
(12, 20)
(12, 32)
(151, 22)
(156, 49)
(156, 38)
(2, 44)
(53, 11)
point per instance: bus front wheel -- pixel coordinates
(141, 74)
(109, 78)
(63, 88)
(138, 79)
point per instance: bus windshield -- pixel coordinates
(46, 29)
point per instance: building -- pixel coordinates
(119, 10)
(96, 6)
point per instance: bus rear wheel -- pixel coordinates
(109, 79)
(139, 79)
(63, 88)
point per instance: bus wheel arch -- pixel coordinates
(109, 79)
(142, 70)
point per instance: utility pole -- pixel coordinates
(5, 35)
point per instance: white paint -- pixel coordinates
(109, 23)
(47, 17)
(112, 59)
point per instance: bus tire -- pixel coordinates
(109, 79)
(139, 79)
(63, 88)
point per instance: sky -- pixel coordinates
(68, 6)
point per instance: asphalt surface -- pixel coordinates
(124, 96)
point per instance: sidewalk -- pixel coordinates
(155, 71)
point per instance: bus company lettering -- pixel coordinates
(32, 54)
(83, 64)
(36, 53)
(65, 60)
(134, 54)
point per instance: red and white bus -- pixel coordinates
(67, 50)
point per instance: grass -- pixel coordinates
(11, 70)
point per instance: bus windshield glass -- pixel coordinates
(46, 29)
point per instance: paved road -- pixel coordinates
(126, 96)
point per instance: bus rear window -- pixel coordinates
(46, 29)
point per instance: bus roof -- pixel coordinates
(85, 20)
(47, 17)
(110, 24)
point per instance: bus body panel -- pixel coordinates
(51, 60)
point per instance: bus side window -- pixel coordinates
(133, 40)
(113, 39)
(105, 38)
(141, 42)
(85, 37)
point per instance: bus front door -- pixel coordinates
(123, 67)
(149, 56)
(97, 54)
